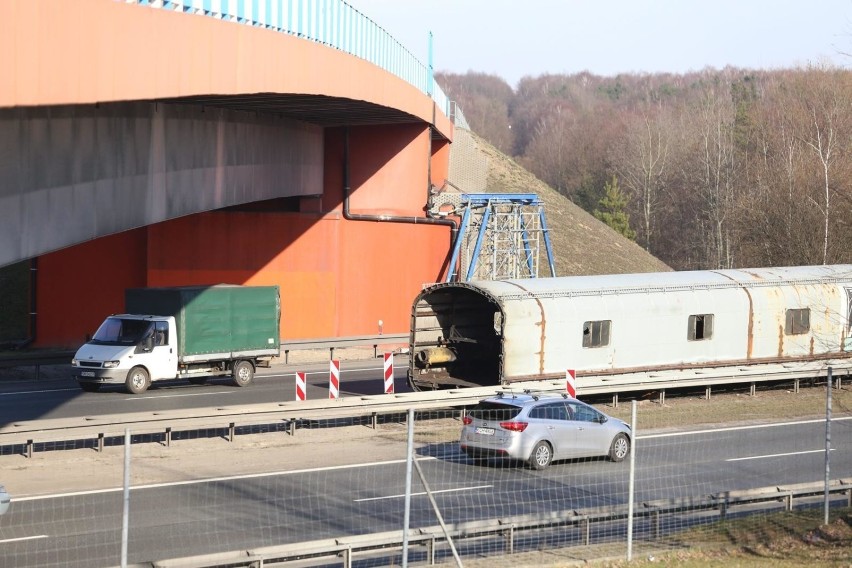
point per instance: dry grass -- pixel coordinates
(782, 540)
(581, 244)
(727, 407)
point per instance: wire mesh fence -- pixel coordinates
(345, 490)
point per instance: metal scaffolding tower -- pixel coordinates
(500, 237)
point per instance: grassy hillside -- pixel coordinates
(581, 243)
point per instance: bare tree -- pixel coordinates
(826, 108)
(711, 166)
(641, 162)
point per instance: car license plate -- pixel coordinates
(87, 374)
(486, 431)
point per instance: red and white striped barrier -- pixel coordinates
(388, 373)
(301, 391)
(334, 380)
(570, 377)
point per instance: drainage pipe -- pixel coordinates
(349, 216)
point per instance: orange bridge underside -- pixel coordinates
(337, 277)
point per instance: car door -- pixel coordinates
(163, 357)
(552, 424)
(592, 437)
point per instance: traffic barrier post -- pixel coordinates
(388, 373)
(570, 383)
(334, 379)
(301, 389)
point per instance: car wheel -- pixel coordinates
(243, 373)
(90, 387)
(137, 381)
(197, 380)
(541, 456)
(620, 448)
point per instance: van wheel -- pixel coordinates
(541, 456)
(620, 448)
(137, 381)
(90, 387)
(243, 373)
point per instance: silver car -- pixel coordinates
(5, 499)
(538, 429)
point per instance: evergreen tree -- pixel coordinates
(612, 210)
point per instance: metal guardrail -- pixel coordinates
(507, 527)
(27, 437)
(333, 343)
(39, 359)
(706, 377)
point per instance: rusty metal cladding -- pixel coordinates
(750, 333)
(539, 335)
(542, 332)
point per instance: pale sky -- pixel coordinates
(514, 38)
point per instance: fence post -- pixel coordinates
(409, 465)
(125, 516)
(630, 485)
(827, 441)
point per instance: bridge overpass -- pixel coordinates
(162, 143)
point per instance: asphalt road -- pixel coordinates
(205, 516)
(63, 398)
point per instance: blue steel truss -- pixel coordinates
(500, 237)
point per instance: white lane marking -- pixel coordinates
(822, 451)
(36, 392)
(423, 493)
(737, 428)
(177, 395)
(23, 538)
(215, 479)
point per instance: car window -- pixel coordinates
(586, 414)
(494, 411)
(550, 411)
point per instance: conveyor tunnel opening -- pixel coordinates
(455, 339)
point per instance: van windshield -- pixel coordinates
(118, 331)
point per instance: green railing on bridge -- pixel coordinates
(334, 23)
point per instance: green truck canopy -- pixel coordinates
(215, 319)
